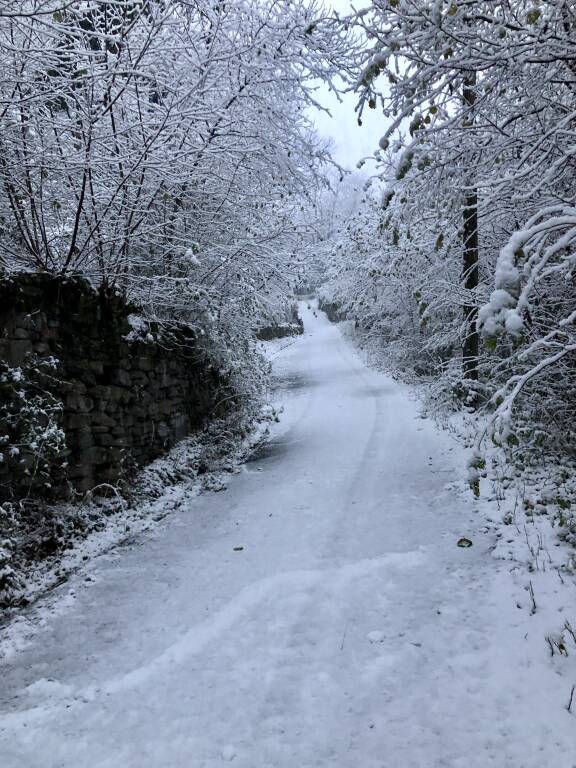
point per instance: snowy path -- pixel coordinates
(349, 632)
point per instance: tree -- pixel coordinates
(479, 151)
(163, 149)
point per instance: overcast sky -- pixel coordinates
(351, 141)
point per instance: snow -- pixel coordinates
(507, 276)
(513, 322)
(351, 630)
(191, 256)
(229, 752)
(491, 314)
(46, 688)
(139, 328)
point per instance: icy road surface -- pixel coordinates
(317, 613)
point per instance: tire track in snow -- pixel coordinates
(201, 635)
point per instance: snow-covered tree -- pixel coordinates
(478, 174)
(162, 148)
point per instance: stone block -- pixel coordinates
(100, 419)
(78, 402)
(100, 392)
(119, 393)
(97, 366)
(110, 406)
(75, 421)
(103, 439)
(122, 378)
(145, 363)
(162, 430)
(87, 377)
(100, 430)
(19, 350)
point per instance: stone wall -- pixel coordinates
(280, 330)
(128, 395)
(292, 326)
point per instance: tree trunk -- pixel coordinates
(470, 260)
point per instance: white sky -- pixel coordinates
(351, 141)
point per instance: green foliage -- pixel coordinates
(416, 124)
(491, 342)
(405, 165)
(387, 199)
(10, 581)
(32, 442)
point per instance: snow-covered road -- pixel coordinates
(316, 613)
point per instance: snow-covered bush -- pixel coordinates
(531, 320)
(32, 442)
(10, 580)
(465, 276)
